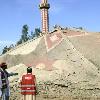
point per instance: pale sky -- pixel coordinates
(70, 13)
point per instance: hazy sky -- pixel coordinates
(72, 13)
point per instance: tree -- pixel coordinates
(24, 35)
(11, 46)
(32, 35)
(37, 32)
(19, 42)
(5, 49)
(81, 28)
(55, 26)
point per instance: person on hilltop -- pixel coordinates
(4, 82)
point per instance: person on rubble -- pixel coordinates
(4, 82)
(28, 85)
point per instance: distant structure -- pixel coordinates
(44, 6)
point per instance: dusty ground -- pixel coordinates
(59, 88)
(15, 95)
(89, 46)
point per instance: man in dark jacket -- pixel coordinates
(4, 86)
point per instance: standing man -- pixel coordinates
(4, 82)
(28, 85)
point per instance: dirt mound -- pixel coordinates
(60, 69)
(89, 46)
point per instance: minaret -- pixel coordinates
(44, 6)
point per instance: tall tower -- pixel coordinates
(44, 6)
